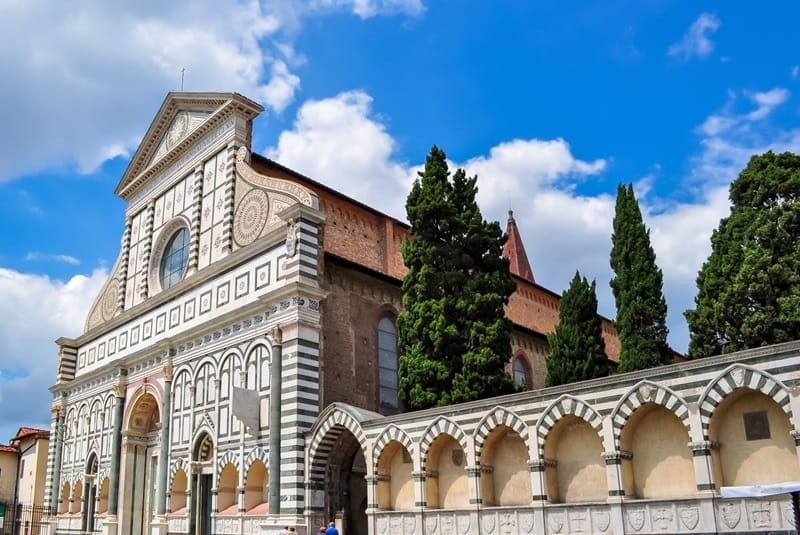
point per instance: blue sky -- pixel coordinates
(551, 103)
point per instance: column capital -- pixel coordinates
(168, 371)
(275, 336)
(120, 389)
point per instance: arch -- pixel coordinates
(327, 430)
(751, 441)
(505, 476)
(496, 417)
(394, 470)
(441, 426)
(63, 503)
(102, 496)
(256, 488)
(256, 454)
(174, 466)
(387, 435)
(209, 361)
(648, 392)
(252, 346)
(574, 469)
(522, 370)
(228, 458)
(139, 402)
(203, 444)
(655, 459)
(76, 497)
(566, 405)
(227, 483)
(163, 237)
(94, 416)
(178, 491)
(92, 462)
(741, 376)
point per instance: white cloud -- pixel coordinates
(336, 142)
(86, 78)
(767, 101)
(35, 311)
(795, 71)
(370, 8)
(696, 42)
(67, 259)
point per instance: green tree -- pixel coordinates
(638, 289)
(454, 338)
(577, 349)
(748, 291)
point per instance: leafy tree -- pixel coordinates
(577, 349)
(638, 289)
(454, 338)
(749, 288)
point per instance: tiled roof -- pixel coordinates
(9, 449)
(25, 432)
(515, 251)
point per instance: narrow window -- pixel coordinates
(176, 256)
(520, 374)
(387, 367)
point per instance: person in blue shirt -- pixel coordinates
(331, 529)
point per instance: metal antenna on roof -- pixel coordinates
(183, 70)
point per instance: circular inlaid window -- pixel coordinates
(174, 259)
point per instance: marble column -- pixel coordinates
(116, 450)
(275, 390)
(163, 454)
(58, 434)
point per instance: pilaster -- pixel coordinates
(703, 466)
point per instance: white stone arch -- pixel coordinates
(144, 389)
(229, 353)
(250, 350)
(393, 433)
(565, 405)
(228, 457)
(207, 360)
(741, 376)
(257, 453)
(94, 412)
(161, 237)
(496, 417)
(174, 466)
(330, 424)
(442, 426)
(648, 392)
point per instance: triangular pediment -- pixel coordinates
(183, 119)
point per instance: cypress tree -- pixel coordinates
(454, 339)
(638, 289)
(748, 291)
(577, 349)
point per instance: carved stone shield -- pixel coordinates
(394, 524)
(555, 521)
(487, 523)
(526, 522)
(409, 524)
(601, 520)
(431, 523)
(447, 525)
(636, 519)
(690, 516)
(462, 523)
(731, 514)
(383, 525)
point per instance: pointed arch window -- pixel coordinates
(388, 401)
(522, 379)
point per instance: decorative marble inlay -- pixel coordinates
(250, 217)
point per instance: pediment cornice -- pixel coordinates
(218, 106)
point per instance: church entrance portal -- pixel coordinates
(140, 468)
(203, 469)
(345, 486)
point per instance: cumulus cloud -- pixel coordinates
(337, 142)
(87, 78)
(35, 311)
(696, 41)
(67, 259)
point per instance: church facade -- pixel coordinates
(238, 374)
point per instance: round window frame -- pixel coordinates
(165, 236)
